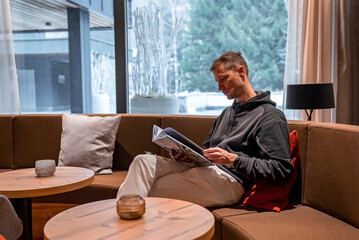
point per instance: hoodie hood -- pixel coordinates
(260, 99)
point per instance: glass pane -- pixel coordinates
(51, 78)
(103, 75)
(42, 69)
(172, 44)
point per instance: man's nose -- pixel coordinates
(220, 87)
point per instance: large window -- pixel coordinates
(172, 44)
(64, 53)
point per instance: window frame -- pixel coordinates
(120, 23)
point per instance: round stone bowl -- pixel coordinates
(45, 167)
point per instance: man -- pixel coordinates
(249, 142)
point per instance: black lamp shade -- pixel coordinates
(310, 96)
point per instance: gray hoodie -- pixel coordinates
(258, 133)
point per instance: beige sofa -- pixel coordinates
(324, 199)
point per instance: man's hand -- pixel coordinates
(178, 156)
(219, 156)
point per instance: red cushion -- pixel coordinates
(271, 196)
(2, 238)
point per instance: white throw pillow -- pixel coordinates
(88, 142)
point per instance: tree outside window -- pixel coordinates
(211, 27)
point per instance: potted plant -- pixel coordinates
(155, 48)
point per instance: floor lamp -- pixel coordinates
(309, 97)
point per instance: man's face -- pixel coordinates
(230, 82)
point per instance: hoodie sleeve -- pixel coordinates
(273, 163)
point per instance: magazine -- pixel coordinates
(169, 138)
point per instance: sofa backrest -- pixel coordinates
(134, 137)
(302, 130)
(27, 138)
(135, 134)
(6, 141)
(32, 137)
(36, 137)
(331, 181)
(195, 128)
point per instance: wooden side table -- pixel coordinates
(164, 219)
(23, 184)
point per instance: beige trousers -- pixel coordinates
(155, 176)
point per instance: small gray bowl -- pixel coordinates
(45, 167)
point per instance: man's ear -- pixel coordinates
(241, 70)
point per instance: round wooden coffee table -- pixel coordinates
(23, 184)
(164, 219)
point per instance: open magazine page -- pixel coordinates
(168, 142)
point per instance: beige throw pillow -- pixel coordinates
(88, 142)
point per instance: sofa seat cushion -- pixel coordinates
(221, 213)
(113, 180)
(299, 222)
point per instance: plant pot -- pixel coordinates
(155, 105)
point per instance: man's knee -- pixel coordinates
(142, 159)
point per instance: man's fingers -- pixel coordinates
(178, 156)
(212, 150)
(212, 153)
(182, 158)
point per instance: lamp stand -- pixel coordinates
(309, 115)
